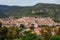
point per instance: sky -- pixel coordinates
(27, 2)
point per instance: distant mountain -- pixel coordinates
(8, 8)
(40, 9)
(4, 9)
(2, 15)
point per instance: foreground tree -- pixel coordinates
(55, 38)
(46, 33)
(29, 36)
(3, 33)
(0, 24)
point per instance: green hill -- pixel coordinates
(40, 9)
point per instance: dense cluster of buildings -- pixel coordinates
(27, 21)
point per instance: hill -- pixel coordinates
(5, 8)
(40, 9)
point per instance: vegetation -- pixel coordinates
(29, 36)
(17, 33)
(55, 37)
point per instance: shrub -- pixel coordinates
(55, 37)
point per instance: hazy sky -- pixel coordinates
(27, 2)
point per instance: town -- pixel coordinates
(27, 21)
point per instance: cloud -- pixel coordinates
(27, 2)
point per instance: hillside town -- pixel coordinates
(27, 21)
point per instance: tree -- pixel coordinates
(30, 36)
(12, 34)
(3, 33)
(0, 24)
(46, 32)
(55, 38)
(58, 32)
(22, 26)
(32, 26)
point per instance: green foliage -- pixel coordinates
(58, 32)
(15, 33)
(57, 20)
(46, 34)
(29, 36)
(32, 26)
(12, 34)
(22, 26)
(0, 24)
(3, 33)
(55, 37)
